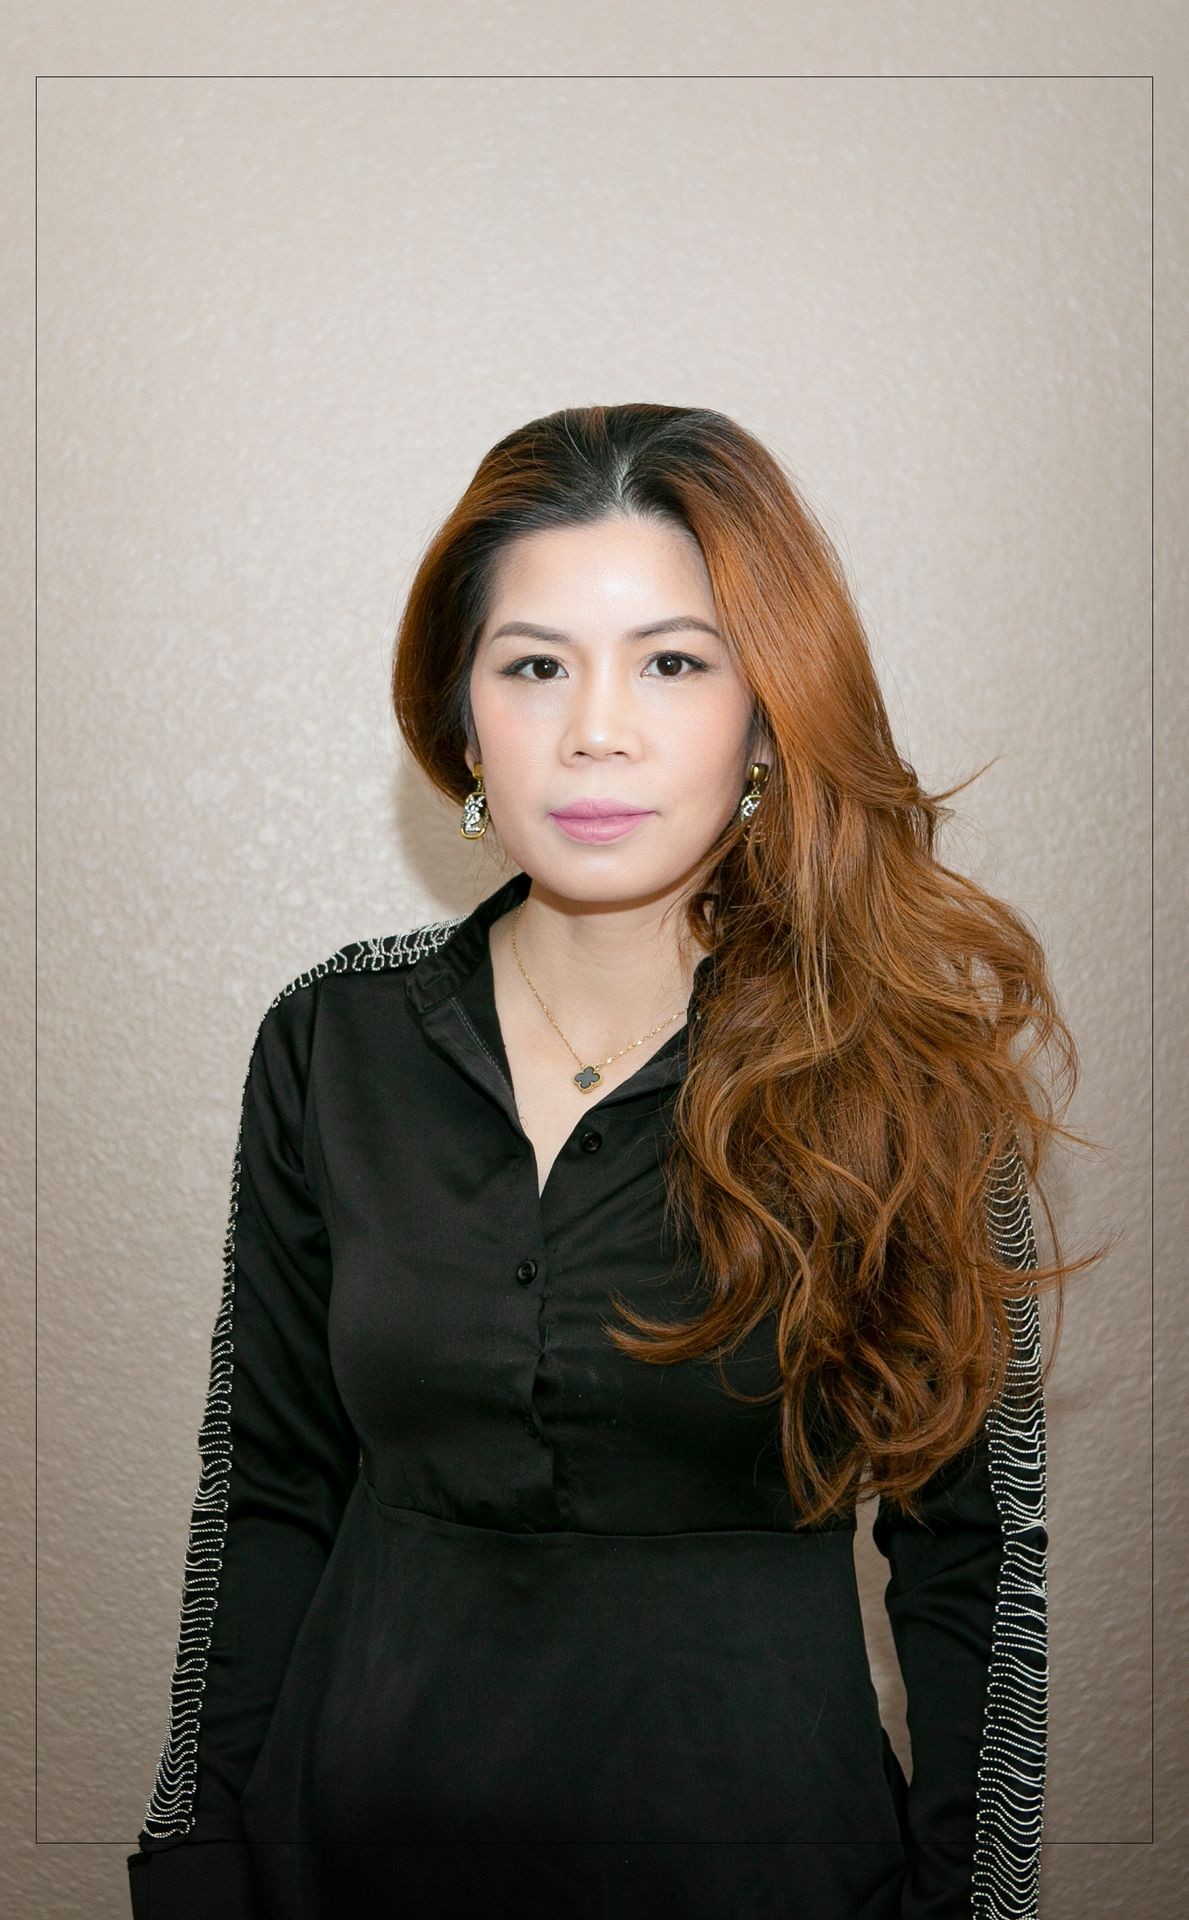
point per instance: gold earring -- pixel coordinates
(474, 808)
(757, 775)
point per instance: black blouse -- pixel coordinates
(481, 1615)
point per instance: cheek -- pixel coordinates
(705, 792)
(706, 749)
(519, 765)
(508, 731)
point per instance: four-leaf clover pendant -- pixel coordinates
(588, 1077)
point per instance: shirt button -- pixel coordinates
(590, 1142)
(530, 1425)
(526, 1271)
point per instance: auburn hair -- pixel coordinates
(867, 1055)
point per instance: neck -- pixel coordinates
(607, 973)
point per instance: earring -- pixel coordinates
(474, 809)
(757, 775)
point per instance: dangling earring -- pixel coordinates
(474, 809)
(757, 774)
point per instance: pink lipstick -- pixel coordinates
(598, 820)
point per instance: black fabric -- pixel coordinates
(480, 1615)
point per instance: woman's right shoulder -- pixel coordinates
(285, 1030)
(282, 1053)
(373, 954)
(377, 953)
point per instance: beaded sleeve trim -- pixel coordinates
(1012, 1752)
(170, 1809)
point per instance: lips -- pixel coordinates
(598, 828)
(598, 810)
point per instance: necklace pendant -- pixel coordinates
(588, 1077)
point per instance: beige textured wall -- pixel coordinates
(279, 320)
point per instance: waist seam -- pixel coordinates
(539, 1535)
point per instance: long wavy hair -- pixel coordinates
(867, 1056)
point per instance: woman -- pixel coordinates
(588, 1250)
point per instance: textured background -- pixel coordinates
(278, 322)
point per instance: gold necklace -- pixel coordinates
(588, 1074)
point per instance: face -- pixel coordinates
(577, 694)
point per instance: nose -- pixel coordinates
(601, 718)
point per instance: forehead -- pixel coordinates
(621, 562)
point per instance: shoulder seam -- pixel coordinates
(376, 954)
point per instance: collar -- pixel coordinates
(452, 989)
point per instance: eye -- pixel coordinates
(699, 666)
(514, 671)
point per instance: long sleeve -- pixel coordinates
(279, 1458)
(967, 1605)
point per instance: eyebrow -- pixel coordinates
(680, 623)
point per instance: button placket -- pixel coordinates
(586, 1139)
